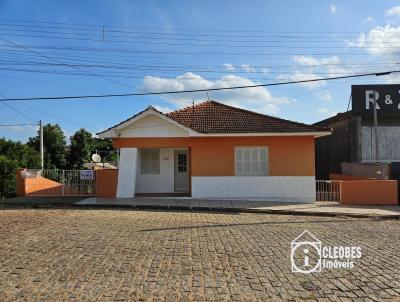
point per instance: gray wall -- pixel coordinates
(388, 143)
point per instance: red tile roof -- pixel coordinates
(213, 117)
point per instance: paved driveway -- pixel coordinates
(124, 255)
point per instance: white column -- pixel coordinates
(127, 173)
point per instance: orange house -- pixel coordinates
(212, 150)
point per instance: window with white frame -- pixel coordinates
(251, 161)
(150, 161)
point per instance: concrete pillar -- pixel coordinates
(127, 173)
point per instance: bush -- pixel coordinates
(8, 168)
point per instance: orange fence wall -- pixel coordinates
(42, 186)
(36, 186)
(106, 183)
(348, 177)
(214, 156)
(369, 192)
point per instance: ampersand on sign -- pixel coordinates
(388, 100)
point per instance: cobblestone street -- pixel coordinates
(127, 255)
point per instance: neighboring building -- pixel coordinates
(341, 146)
(212, 150)
(96, 166)
(353, 138)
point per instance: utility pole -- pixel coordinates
(41, 145)
(376, 127)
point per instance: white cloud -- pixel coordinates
(300, 76)
(229, 67)
(331, 66)
(24, 128)
(258, 98)
(312, 61)
(163, 109)
(264, 70)
(247, 68)
(394, 11)
(326, 112)
(333, 8)
(368, 19)
(379, 40)
(326, 96)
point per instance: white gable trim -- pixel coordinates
(115, 131)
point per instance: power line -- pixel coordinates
(130, 67)
(15, 109)
(58, 61)
(137, 39)
(15, 55)
(16, 125)
(203, 90)
(167, 28)
(221, 52)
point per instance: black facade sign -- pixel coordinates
(387, 96)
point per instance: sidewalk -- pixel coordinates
(317, 209)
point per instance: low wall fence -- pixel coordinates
(358, 191)
(327, 190)
(54, 182)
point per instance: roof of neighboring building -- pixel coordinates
(99, 165)
(214, 117)
(211, 117)
(334, 119)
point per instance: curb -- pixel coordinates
(239, 210)
(200, 209)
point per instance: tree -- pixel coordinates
(81, 148)
(14, 155)
(83, 145)
(22, 153)
(106, 150)
(55, 146)
(8, 168)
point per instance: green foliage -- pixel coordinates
(83, 145)
(81, 148)
(8, 168)
(105, 148)
(22, 153)
(54, 145)
(14, 155)
(57, 155)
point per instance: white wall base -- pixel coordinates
(127, 173)
(271, 188)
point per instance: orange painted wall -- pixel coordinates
(41, 186)
(106, 183)
(369, 192)
(348, 177)
(36, 186)
(214, 156)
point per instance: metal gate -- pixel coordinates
(328, 190)
(54, 182)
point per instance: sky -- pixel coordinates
(64, 48)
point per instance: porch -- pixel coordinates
(162, 172)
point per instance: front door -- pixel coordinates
(181, 164)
